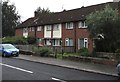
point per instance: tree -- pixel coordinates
(43, 11)
(107, 24)
(40, 10)
(10, 19)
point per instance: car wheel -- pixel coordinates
(3, 54)
(16, 55)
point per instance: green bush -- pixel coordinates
(42, 51)
(117, 54)
(19, 40)
(14, 40)
(31, 40)
(83, 52)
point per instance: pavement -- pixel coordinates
(84, 66)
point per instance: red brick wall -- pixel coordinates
(80, 33)
(67, 33)
(40, 34)
(19, 32)
(83, 33)
(32, 33)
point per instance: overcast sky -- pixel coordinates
(26, 8)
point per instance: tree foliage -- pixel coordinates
(10, 19)
(107, 23)
(43, 11)
(40, 10)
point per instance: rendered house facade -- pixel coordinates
(66, 29)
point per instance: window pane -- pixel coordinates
(32, 28)
(39, 28)
(69, 25)
(82, 24)
(24, 30)
(56, 27)
(70, 42)
(48, 27)
(57, 42)
(67, 42)
(81, 42)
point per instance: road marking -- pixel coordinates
(56, 79)
(16, 68)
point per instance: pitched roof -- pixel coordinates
(65, 16)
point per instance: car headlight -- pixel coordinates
(17, 50)
(8, 51)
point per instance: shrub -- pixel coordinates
(42, 51)
(14, 40)
(117, 55)
(31, 40)
(83, 52)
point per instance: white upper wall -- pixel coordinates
(25, 32)
(57, 31)
(47, 31)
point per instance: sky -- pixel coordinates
(26, 8)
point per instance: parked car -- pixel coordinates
(8, 50)
(118, 69)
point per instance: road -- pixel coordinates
(16, 69)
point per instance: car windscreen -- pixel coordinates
(8, 47)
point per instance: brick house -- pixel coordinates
(67, 28)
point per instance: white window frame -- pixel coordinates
(48, 42)
(82, 23)
(56, 27)
(56, 42)
(68, 40)
(25, 30)
(69, 25)
(85, 40)
(48, 27)
(39, 28)
(32, 29)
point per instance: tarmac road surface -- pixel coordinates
(16, 69)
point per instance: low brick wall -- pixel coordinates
(93, 60)
(106, 55)
(80, 58)
(66, 49)
(26, 52)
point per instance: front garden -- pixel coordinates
(28, 46)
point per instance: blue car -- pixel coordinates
(118, 69)
(8, 50)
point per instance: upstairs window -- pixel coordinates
(82, 24)
(48, 27)
(33, 29)
(56, 27)
(25, 30)
(30, 29)
(39, 28)
(69, 25)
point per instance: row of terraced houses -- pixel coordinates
(67, 28)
